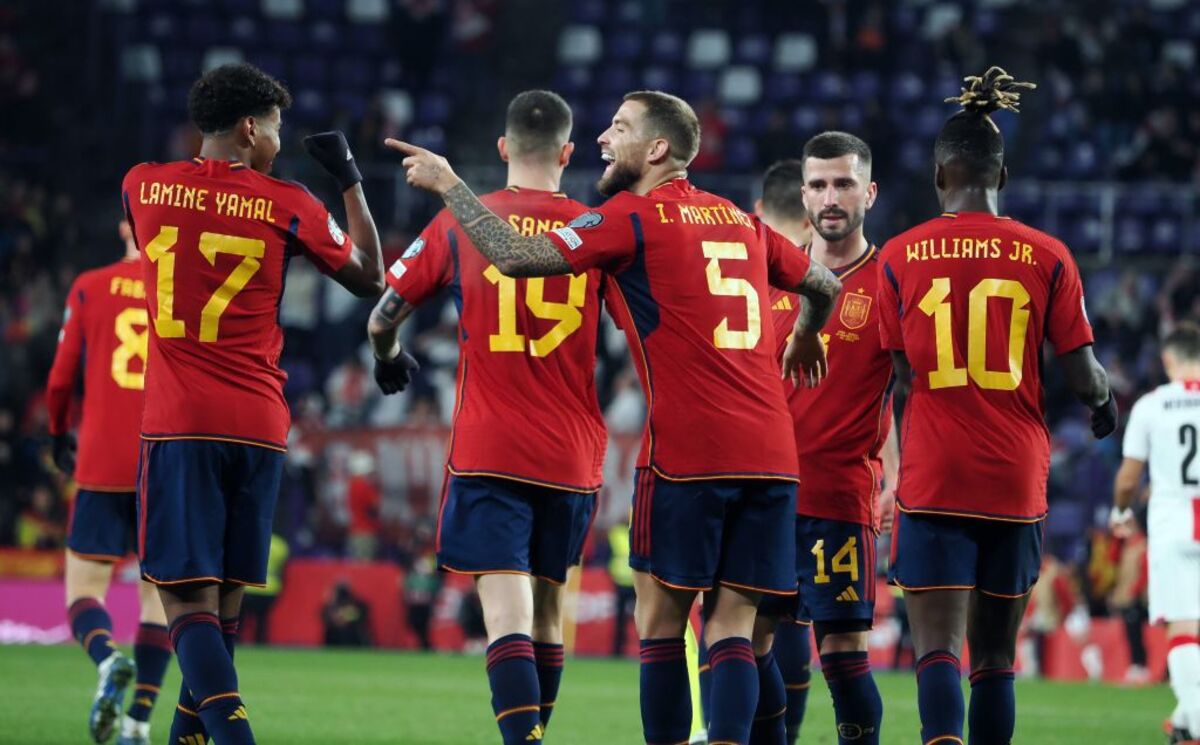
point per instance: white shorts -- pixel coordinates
(1174, 580)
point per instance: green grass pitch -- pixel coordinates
(296, 697)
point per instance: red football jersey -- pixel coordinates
(690, 287)
(969, 299)
(216, 237)
(841, 424)
(527, 406)
(104, 331)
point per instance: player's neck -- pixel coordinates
(656, 178)
(793, 230)
(219, 148)
(972, 199)
(836, 254)
(530, 177)
(1184, 373)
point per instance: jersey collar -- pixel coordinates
(847, 269)
(234, 165)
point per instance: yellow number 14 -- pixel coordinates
(845, 561)
(159, 252)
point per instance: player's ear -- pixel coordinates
(939, 177)
(247, 129)
(1003, 177)
(502, 148)
(872, 193)
(758, 207)
(659, 150)
(564, 155)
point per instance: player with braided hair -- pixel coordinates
(980, 293)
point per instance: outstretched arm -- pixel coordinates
(513, 254)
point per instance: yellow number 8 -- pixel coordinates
(133, 344)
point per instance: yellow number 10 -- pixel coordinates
(947, 375)
(159, 252)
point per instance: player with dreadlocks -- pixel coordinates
(979, 294)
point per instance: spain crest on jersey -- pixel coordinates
(856, 309)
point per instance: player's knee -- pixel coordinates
(504, 618)
(989, 659)
(547, 604)
(764, 635)
(151, 607)
(842, 636)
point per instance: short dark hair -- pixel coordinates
(673, 119)
(970, 136)
(538, 123)
(227, 93)
(833, 144)
(783, 190)
(1184, 341)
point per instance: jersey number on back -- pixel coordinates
(568, 314)
(936, 303)
(159, 252)
(133, 345)
(724, 286)
(1188, 432)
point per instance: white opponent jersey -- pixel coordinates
(1164, 429)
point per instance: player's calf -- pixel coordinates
(548, 649)
(857, 705)
(208, 669)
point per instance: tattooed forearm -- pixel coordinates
(820, 289)
(512, 253)
(383, 328)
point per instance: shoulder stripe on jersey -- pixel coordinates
(891, 277)
(456, 282)
(1054, 275)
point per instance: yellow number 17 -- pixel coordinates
(159, 252)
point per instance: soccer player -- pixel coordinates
(781, 205)
(215, 234)
(965, 302)
(513, 508)
(841, 429)
(106, 316)
(1163, 429)
(688, 278)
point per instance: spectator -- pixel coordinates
(362, 493)
(258, 601)
(346, 618)
(422, 584)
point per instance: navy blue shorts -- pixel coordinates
(835, 563)
(103, 525)
(695, 535)
(205, 510)
(937, 552)
(494, 526)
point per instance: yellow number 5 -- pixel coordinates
(947, 375)
(159, 252)
(724, 286)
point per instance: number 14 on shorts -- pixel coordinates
(845, 561)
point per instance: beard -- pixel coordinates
(850, 223)
(619, 179)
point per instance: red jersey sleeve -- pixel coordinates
(427, 265)
(787, 265)
(321, 238)
(888, 298)
(1067, 325)
(65, 371)
(604, 238)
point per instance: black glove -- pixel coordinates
(1104, 418)
(64, 453)
(331, 151)
(394, 375)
